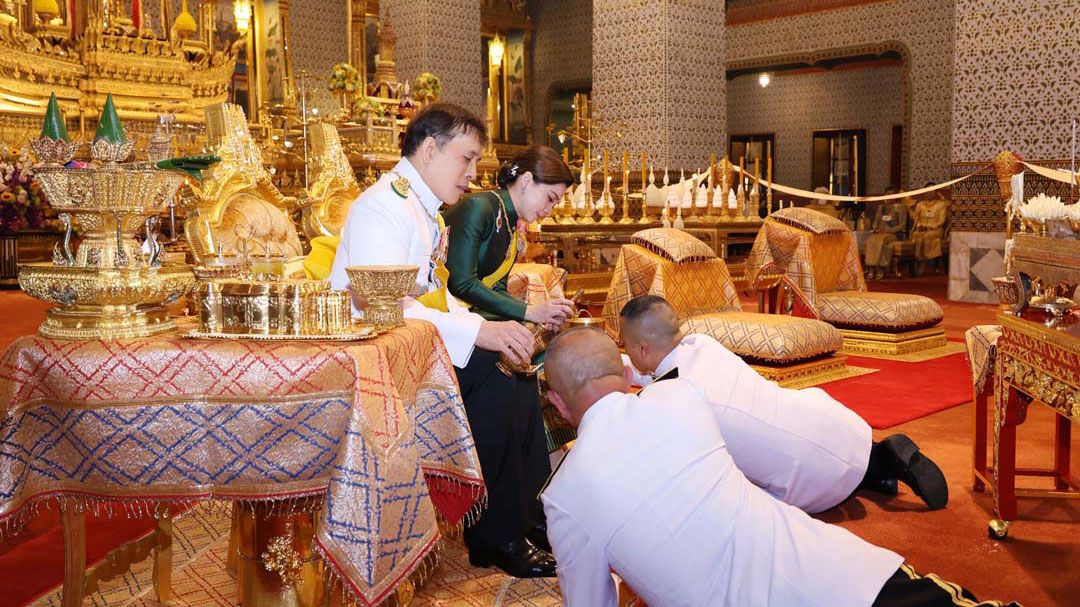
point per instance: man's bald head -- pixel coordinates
(582, 364)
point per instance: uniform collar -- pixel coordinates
(427, 198)
(602, 401)
(508, 205)
(668, 362)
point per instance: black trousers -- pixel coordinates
(508, 428)
(909, 589)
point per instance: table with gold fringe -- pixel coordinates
(371, 436)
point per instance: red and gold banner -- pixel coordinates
(370, 426)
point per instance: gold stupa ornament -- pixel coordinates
(111, 286)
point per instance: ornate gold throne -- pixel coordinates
(236, 210)
(334, 187)
(795, 352)
(819, 261)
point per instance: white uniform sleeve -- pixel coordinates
(584, 574)
(637, 377)
(374, 236)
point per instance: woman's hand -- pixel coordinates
(552, 313)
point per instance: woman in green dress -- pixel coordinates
(487, 234)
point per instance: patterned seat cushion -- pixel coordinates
(890, 312)
(981, 343)
(673, 245)
(809, 220)
(768, 338)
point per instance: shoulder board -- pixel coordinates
(400, 186)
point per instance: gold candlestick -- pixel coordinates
(752, 209)
(644, 205)
(768, 195)
(625, 219)
(740, 193)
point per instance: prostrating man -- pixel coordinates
(801, 446)
(650, 491)
(397, 221)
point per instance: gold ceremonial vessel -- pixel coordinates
(111, 287)
(282, 309)
(383, 287)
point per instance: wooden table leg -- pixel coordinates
(73, 525)
(163, 559)
(1013, 413)
(979, 447)
(1062, 452)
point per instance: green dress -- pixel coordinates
(481, 241)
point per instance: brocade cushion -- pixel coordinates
(768, 338)
(809, 220)
(890, 312)
(673, 244)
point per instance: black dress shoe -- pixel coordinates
(538, 537)
(917, 471)
(880, 485)
(518, 559)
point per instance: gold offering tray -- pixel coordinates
(361, 332)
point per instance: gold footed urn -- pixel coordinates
(111, 286)
(383, 287)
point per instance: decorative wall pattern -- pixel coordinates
(562, 51)
(659, 67)
(924, 28)
(441, 37)
(793, 106)
(320, 38)
(1016, 78)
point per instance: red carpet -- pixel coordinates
(32, 562)
(903, 391)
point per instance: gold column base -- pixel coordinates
(106, 322)
(876, 342)
(804, 374)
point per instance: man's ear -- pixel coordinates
(560, 405)
(428, 149)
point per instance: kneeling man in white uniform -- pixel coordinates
(802, 446)
(650, 491)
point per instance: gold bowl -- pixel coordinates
(383, 287)
(105, 303)
(587, 321)
(119, 189)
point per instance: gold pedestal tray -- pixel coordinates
(383, 287)
(106, 303)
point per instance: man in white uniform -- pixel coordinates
(396, 221)
(801, 446)
(650, 491)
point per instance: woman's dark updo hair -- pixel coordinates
(543, 162)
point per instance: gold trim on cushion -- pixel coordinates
(673, 244)
(690, 287)
(768, 338)
(909, 346)
(892, 312)
(810, 220)
(812, 373)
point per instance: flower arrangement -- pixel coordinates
(344, 79)
(427, 88)
(22, 203)
(367, 104)
(1043, 208)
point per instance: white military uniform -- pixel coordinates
(650, 491)
(384, 228)
(801, 446)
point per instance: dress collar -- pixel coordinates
(668, 362)
(427, 198)
(508, 206)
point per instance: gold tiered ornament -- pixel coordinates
(110, 287)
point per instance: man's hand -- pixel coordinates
(508, 337)
(552, 313)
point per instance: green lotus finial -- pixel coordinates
(53, 127)
(109, 127)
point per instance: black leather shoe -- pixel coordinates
(518, 559)
(880, 485)
(538, 537)
(917, 471)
